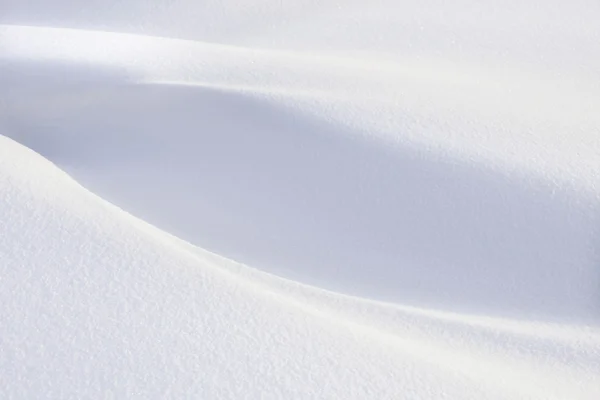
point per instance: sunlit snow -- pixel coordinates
(390, 199)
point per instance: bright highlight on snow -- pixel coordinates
(314, 200)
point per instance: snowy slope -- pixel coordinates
(99, 304)
(440, 157)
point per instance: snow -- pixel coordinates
(332, 200)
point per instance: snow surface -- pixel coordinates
(414, 186)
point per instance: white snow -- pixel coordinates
(410, 192)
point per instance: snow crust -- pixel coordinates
(409, 190)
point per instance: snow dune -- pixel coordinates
(416, 193)
(99, 304)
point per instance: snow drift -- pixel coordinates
(391, 156)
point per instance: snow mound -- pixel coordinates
(413, 185)
(97, 303)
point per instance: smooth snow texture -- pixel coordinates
(441, 157)
(121, 309)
